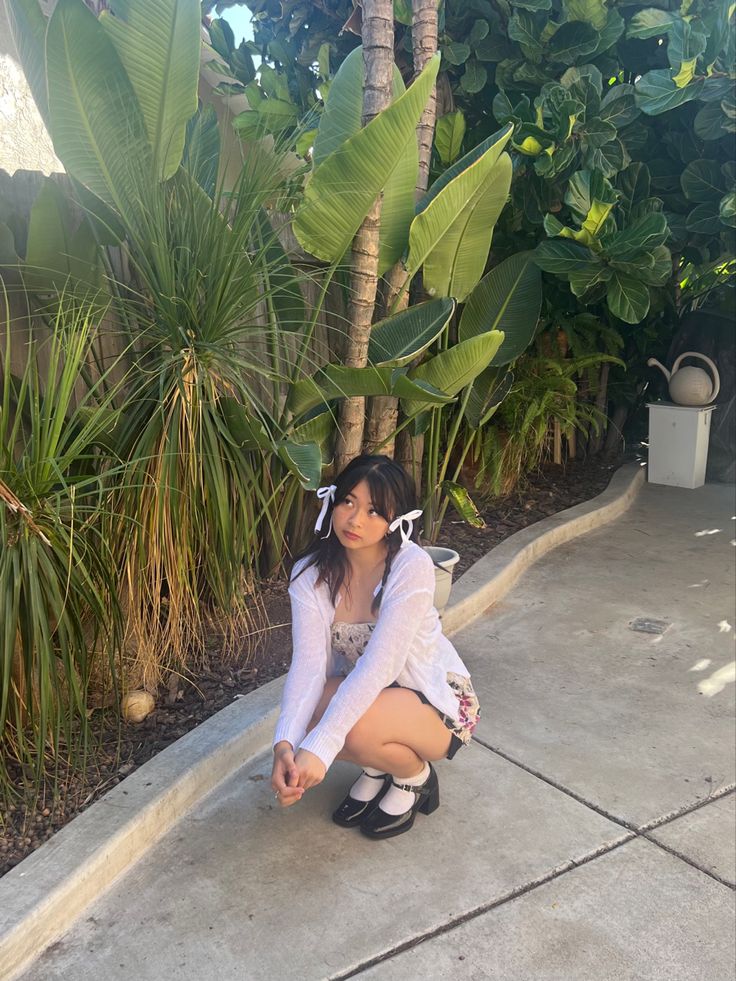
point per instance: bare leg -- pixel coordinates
(397, 734)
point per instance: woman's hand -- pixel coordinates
(285, 775)
(310, 767)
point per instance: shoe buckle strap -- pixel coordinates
(421, 791)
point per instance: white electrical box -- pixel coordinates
(678, 443)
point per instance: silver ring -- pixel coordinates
(277, 794)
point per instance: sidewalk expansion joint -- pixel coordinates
(641, 831)
(656, 823)
(558, 786)
(690, 861)
(458, 921)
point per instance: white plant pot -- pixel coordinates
(445, 560)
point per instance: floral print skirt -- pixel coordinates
(462, 727)
(468, 714)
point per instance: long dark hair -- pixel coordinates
(392, 493)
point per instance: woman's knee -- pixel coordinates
(359, 737)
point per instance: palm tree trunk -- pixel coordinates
(410, 449)
(378, 59)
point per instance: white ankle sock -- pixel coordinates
(366, 786)
(399, 801)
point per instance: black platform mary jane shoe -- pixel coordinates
(351, 812)
(379, 824)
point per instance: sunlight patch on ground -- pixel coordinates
(697, 585)
(716, 682)
(701, 665)
(724, 626)
(707, 531)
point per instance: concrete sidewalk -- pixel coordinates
(587, 835)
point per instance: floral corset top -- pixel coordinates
(349, 641)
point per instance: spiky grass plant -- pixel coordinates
(201, 420)
(60, 623)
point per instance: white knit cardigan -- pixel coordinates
(407, 646)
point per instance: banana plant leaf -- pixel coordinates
(341, 191)
(453, 369)
(319, 429)
(59, 257)
(158, 44)
(304, 460)
(463, 503)
(451, 234)
(336, 381)
(402, 337)
(489, 390)
(341, 120)
(245, 430)
(202, 149)
(508, 298)
(98, 134)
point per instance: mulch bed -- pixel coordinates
(546, 492)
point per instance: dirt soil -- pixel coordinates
(187, 704)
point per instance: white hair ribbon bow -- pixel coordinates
(402, 521)
(327, 496)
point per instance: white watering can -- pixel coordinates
(690, 385)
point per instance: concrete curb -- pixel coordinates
(491, 577)
(42, 896)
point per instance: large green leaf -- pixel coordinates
(453, 369)
(635, 184)
(619, 106)
(28, 27)
(642, 236)
(60, 257)
(448, 135)
(572, 41)
(317, 429)
(304, 460)
(340, 120)
(401, 338)
(202, 149)
(704, 220)
(336, 381)
(586, 189)
(342, 189)
(451, 235)
(245, 430)
(562, 258)
(456, 265)
(727, 209)
(628, 299)
(650, 23)
(591, 11)
(710, 123)
(656, 92)
(463, 503)
(96, 122)
(509, 298)
(158, 43)
(489, 390)
(702, 181)
(474, 77)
